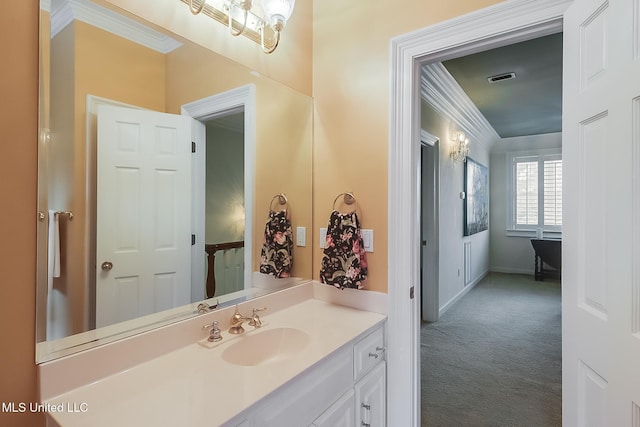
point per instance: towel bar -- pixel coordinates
(42, 216)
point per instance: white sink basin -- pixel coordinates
(266, 347)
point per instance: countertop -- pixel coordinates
(195, 386)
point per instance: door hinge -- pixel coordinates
(193, 147)
(193, 239)
(411, 292)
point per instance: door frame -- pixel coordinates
(202, 110)
(504, 23)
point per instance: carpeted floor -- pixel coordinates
(494, 358)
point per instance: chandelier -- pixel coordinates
(263, 27)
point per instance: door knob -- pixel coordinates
(107, 266)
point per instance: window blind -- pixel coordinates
(527, 193)
(553, 192)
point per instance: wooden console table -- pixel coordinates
(211, 250)
(549, 252)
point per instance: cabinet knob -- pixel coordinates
(107, 266)
(365, 424)
(367, 407)
(374, 355)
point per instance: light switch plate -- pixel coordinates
(323, 237)
(301, 236)
(367, 238)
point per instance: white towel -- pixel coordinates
(54, 248)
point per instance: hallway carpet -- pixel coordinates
(494, 358)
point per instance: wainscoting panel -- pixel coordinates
(467, 263)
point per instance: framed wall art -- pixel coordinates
(476, 201)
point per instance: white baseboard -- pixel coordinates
(511, 270)
(462, 293)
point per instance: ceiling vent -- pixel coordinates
(501, 77)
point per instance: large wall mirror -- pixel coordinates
(160, 163)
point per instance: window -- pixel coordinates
(535, 191)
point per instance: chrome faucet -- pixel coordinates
(235, 324)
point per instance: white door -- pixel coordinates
(601, 219)
(143, 221)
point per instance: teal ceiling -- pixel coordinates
(530, 104)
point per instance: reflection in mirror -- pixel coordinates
(156, 228)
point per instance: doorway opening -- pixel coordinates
(218, 106)
(475, 104)
(491, 27)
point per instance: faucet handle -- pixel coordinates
(216, 334)
(255, 319)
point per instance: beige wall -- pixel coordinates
(18, 160)
(351, 46)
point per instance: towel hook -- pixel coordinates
(281, 198)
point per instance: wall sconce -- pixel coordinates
(459, 147)
(240, 17)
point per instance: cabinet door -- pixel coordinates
(340, 414)
(305, 398)
(371, 401)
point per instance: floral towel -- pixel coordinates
(276, 256)
(344, 262)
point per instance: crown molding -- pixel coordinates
(428, 138)
(67, 11)
(439, 89)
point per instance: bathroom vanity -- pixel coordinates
(319, 359)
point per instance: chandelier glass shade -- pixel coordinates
(262, 24)
(459, 147)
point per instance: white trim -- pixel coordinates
(108, 20)
(428, 139)
(243, 97)
(509, 270)
(440, 90)
(498, 25)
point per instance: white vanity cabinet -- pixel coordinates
(367, 400)
(341, 414)
(345, 389)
